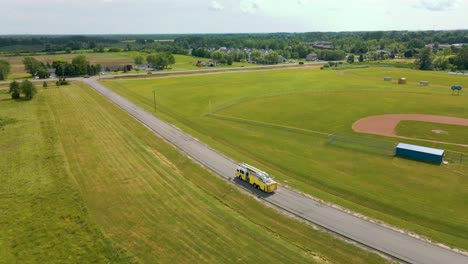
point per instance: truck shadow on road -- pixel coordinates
(246, 186)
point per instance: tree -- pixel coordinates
(256, 56)
(170, 58)
(361, 58)
(28, 89)
(415, 44)
(160, 60)
(31, 65)
(229, 59)
(272, 58)
(217, 56)
(424, 60)
(350, 59)
(81, 64)
(4, 69)
(14, 90)
(42, 73)
(461, 60)
(409, 53)
(139, 60)
(35, 67)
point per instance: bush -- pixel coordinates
(62, 82)
(44, 84)
(14, 90)
(28, 89)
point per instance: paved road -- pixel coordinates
(393, 243)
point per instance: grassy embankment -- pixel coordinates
(423, 198)
(72, 159)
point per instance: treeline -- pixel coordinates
(159, 60)
(57, 43)
(79, 66)
(4, 69)
(443, 59)
(295, 44)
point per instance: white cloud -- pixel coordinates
(250, 6)
(438, 5)
(216, 6)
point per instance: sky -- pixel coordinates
(227, 16)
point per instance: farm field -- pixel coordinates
(84, 162)
(280, 121)
(183, 62)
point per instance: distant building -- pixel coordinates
(144, 67)
(322, 45)
(312, 57)
(201, 63)
(282, 59)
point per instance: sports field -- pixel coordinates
(84, 181)
(280, 121)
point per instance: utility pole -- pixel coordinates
(154, 97)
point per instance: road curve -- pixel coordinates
(388, 241)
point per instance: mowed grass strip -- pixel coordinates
(433, 131)
(426, 199)
(43, 218)
(162, 207)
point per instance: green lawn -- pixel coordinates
(433, 131)
(43, 217)
(73, 159)
(424, 198)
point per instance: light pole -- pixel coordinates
(154, 99)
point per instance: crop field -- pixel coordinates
(281, 120)
(105, 59)
(86, 183)
(183, 62)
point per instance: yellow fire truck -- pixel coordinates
(259, 179)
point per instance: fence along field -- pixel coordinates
(265, 118)
(142, 193)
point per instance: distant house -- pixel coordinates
(201, 63)
(444, 46)
(282, 59)
(312, 57)
(212, 63)
(145, 67)
(51, 72)
(322, 44)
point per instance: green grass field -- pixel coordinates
(433, 131)
(74, 160)
(43, 217)
(254, 113)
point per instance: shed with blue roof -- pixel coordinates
(420, 153)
